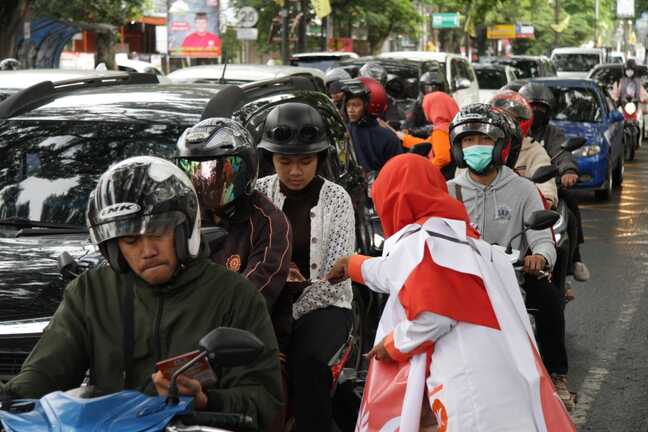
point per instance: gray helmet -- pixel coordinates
(143, 195)
(336, 74)
(374, 70)
(294, 128)
(9, 64)
(219, 157)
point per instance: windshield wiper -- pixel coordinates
(20, 222)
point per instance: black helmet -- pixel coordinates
(374, 70)
(432, 81)
(219, 157)
(516, 139)
(294, 128)
(630, 64)
(143, 195)
(536, 93)
(481, 119)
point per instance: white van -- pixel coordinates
(459, 71)
(576, 62)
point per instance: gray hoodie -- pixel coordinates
(498, 211)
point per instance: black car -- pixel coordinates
(608, 74)
(529, 66)
(57, 140)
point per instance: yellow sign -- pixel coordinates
(322, 8)
(501, 31)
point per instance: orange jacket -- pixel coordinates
(440, 153)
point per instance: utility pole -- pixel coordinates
(285, 29)
(303, 30)
(557, 20)
(597, 12)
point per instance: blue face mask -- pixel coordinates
(478, 157)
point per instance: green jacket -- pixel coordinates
(86, 333)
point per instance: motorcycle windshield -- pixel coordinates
(126, 411)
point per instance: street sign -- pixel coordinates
(524, 31)
(625, 9)
(501, 31)
(247, 33)
(247, 17)
(445, 20)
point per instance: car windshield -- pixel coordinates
(49, 168)
(491, 79)
(322, 64)
(575, 62)
(577, 105)
(526, 68)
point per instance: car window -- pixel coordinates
(577, 105)
(575, 62)
(49, 168)
(491, 79)
(526, 68)
(455, 69)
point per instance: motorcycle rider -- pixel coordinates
(629, 87)
(532, 154)
(333, 81)
(323, 224)
(144, 216)
(365, 99)
(219, 157)
(552, 138)
(416, 121)
(374, 70)
(498, 202)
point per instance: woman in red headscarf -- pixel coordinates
(454, 335)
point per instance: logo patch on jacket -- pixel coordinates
(504, 213)
(233, 263)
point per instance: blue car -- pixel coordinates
(584, 109)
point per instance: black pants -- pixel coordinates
(550, 322)
(316, 337)
(570, 200)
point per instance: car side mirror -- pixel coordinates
(615, 116)
(574, 143)
(229, 347)
(541, 219)
(544, 174)
(462, 84)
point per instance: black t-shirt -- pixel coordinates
(297, 207)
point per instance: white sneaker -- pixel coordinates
(581, 272)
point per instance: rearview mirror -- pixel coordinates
(541, 219)
(574, 143)
(231, 347)
(461, 84)
(615, 116)
(422, 148)
(544, 174)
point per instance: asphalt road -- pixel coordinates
(607, 324)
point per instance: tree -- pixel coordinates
(12, 14)
(101, 16)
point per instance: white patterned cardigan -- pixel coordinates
(332, 237)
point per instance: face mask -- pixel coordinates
(478, 157)
(629, 73)
(540, 120)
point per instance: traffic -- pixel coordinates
(392, 240)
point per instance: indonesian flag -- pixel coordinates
(455, 321)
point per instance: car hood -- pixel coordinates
(30, 284)
(589, 131)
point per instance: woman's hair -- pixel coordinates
(266, 167)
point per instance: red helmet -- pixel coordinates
(517, 106)
(377, 104)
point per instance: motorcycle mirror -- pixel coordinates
(422, 149)
(574, 143)
(544, 174)
(229, 347)
(541, 219)
(615, 116)
(223, 346)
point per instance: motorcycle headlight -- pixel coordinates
(587, 151)
(630, 108)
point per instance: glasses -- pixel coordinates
(306, 134)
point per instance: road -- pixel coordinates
(607, 324)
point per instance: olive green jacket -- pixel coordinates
(86, 333)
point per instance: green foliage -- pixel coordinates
(116, 12)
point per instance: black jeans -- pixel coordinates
(570, 200)
(550, 322)
(316, 337)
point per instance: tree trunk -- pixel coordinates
(12, 13)
(106, 50)
(303, 22)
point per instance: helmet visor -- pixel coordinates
(153, 224)
(218, 182)
(493, 132)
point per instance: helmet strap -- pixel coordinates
(110, 250)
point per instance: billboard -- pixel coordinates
(193, 28)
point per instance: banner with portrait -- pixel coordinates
(193, 28)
